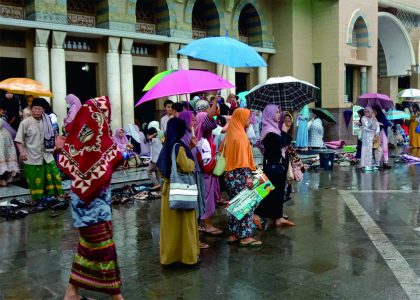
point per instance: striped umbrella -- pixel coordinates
(287, 92)
(397, 115)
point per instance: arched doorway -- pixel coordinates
(249, 26)
(395, 54)
(205, 19)
(152, 17)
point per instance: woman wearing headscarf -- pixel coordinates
(190, 139)
(275, 164)
(138, 140)
(73, 104)
(302, 135)
(369, 127)
(316, 134)
(89, 157)
(361, 113)
(382, 155)
(178, 228)
(414, 141)
(239, 164)
(121, 139)
(9, 166)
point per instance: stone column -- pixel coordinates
(231, 77)
(127, 92)
(113, 81)
(172, 62)
(363, 83)
(262, 71)
(222, 72)
(184, 63)
(58, 75)
(415, 75)
(41, 59)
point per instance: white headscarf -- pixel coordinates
(134, 132)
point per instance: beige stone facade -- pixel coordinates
(343, 46)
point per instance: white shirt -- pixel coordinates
(164, 122)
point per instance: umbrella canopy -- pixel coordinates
(409, 93)
(25, 86)
(158, 77)
(242, 99)
(224, 50)
(397, 115)
(185, 82)
(287, 92)
(372, 99)
(324, 114)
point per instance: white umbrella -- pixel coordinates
(409, 93)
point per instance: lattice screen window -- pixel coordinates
(82, 6)
(145, 12)
(409, 20)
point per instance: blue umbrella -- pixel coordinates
(225, 51)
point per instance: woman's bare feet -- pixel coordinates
(284, 222)
(250, 243)
(117, 297)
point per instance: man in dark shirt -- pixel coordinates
(13, 110)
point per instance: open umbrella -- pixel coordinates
(409, 93)
(397, 115)
(287, 92)
(224, 50)
(242, 99)
(25, 86)
(372, 99)
(185, 82)
(324, 114)
(158, 77)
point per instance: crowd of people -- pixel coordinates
(188, 139)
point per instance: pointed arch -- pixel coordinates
(396, 45)
(215, 13)
(257, 29)
(358, 33)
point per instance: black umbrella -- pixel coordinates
(287, 92)
(324, 114)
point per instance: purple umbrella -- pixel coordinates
(383, 101)
(184, 82)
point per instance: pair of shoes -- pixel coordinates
(253, 244)
(141, 196)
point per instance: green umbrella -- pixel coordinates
(324, 114)
(242, 98)
(158, 77)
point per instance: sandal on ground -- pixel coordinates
(214, 231)
(204, 245)
(253, 244)
(285, 222)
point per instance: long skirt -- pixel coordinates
(95, 264)
(201, 208)
(272, 206)
(178, 233)
(43, 180)
(212, 189)
(9, 166)
(366, 155)
(302, 136)
(235, 182)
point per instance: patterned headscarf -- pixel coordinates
(90, 155)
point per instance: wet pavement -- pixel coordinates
(354, 239)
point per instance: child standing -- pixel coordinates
(155, 147)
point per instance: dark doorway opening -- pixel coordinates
(349, 82)
(12, 67)
(403, 82)
(81, 80)
(241, 82)
(145, 112)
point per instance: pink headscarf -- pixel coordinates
(269, 123)
(121, 141)
(74, 105)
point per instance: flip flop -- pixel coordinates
(216, 231)
(253, 244)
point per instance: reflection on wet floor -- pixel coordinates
(327, 255)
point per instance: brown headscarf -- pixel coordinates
(238, 152)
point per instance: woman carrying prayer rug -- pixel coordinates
(89, 157)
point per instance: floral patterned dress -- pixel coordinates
(235, 182)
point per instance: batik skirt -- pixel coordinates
(95, 264)
(43, 180)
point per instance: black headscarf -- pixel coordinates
(380, 116)
(175, 130)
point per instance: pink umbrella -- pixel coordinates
(185, 82)
(371, 100)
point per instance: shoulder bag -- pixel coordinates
(219, 169)
(183, 192)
